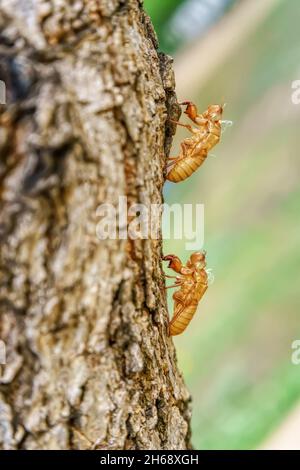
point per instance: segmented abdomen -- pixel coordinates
(185, 168)
(195, 155)
(179, 322)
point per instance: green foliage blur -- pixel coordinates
(160, 12)
(165, 12)
(236, 356)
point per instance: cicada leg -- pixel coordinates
(193, 130)
(178, 282)
(185, 145)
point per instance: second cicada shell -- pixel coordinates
(192, 282)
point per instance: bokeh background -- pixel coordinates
(236, 355)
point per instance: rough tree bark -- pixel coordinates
(89, 363)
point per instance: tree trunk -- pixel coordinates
(89, 364)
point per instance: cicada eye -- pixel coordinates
(215, 111)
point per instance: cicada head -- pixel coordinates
(214, 112)
(198, 259)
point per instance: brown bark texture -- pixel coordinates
(89, 363)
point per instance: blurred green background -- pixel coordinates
(236, 355)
